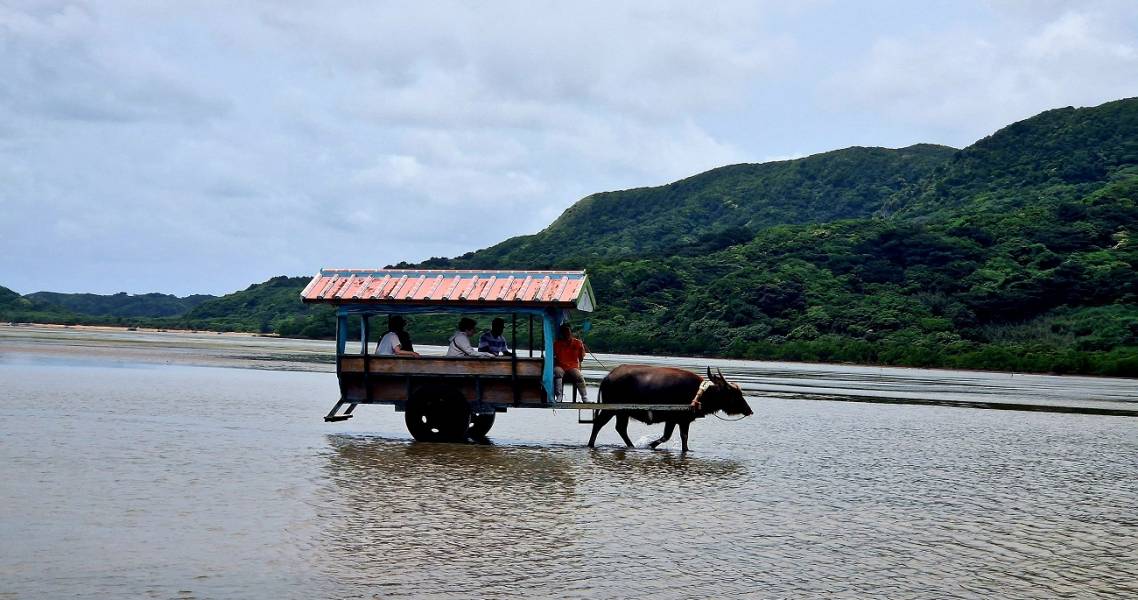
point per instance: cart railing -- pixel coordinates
(440, 365)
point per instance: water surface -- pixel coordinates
(131, 471)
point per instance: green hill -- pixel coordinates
(21, 309)
(270, 307)
(1065, 152)
(716, 209)
(122, 304)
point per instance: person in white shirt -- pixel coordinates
(460, 341)
(391, 344)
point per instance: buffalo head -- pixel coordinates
(728, 397)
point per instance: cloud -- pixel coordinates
(1078, 37)
(181, 148)
(460, 59)
(974, 80)
(65, 64)
(273, 138)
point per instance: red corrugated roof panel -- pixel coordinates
(566, 289)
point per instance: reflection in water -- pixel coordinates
(420, 519)
(415, 519)
(642, 463)
(829, 506)
(170, 482)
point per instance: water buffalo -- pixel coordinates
(635, 384)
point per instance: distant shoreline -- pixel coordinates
(159, 346)
(118, 346)
(122, 328)
(609, 357)
(691, 358)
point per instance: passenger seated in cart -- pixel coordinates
(396, 342)
(492, 340)
(460, 341)
(568, 352)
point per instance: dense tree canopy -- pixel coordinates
(122, 304)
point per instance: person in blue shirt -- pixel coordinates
(492, 340)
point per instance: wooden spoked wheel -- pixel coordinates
(438, 413)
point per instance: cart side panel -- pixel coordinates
(393, 379)
(397, 365)
(387, 389)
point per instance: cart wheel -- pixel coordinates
(438, 413)
(480, 425)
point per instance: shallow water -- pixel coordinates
(125, 476)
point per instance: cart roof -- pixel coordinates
(419, 287)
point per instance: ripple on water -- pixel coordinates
(224, 483)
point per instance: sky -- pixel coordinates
(201, 147)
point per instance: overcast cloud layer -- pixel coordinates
(199, 148)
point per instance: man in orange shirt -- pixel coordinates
(568, 352)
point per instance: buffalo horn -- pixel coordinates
(721, 377)
(710, 377)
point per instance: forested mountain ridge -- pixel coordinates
(1064, 151)
(1015, 253)
(14, 307)
(716, 209)
(270, 307)
(122, 304)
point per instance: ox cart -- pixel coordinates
(451, 398)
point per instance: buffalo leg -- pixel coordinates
(622, 429)
(602, 418)
(684, 435)
(668, 428)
